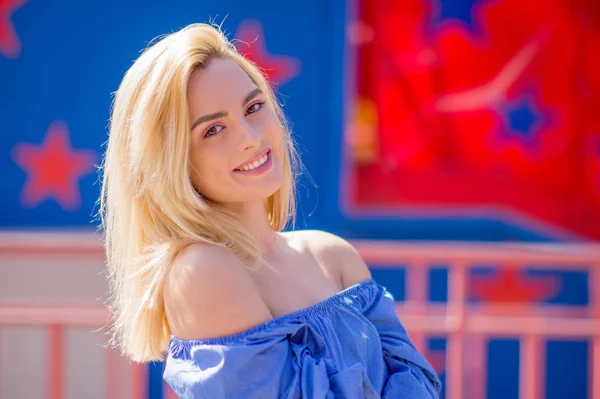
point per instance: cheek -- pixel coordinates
(274, 131)
(205, 170)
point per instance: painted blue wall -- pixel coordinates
(73, 55)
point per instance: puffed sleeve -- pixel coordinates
(410, 374)
(284, 361)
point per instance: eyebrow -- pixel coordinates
(221, 114)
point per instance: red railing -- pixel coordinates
(56, 317)
(458, 320)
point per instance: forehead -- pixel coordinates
(221, 82)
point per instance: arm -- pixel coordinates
(209, 293)
(227, 347)
(411, 375)
(341, 258)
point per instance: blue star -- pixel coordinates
(461, 10)
(523, 120)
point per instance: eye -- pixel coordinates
(255, 107)
(211, 131)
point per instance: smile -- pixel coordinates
(258, 165)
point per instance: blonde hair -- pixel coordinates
(149, 208)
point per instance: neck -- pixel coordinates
(255, 218)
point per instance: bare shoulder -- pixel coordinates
(339, 253)
(209, 294)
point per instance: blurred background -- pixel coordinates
(455, 143)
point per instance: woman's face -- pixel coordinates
(236, 137)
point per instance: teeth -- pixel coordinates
(256, 163)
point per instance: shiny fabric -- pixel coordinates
(349, 346)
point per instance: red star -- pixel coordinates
(279, 69)
(53, 169)
(9, 41)
(510, 285)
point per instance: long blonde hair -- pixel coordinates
(149, 208)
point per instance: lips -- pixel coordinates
(256, 157)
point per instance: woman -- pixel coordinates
(198, 185)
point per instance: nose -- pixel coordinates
(250, 137)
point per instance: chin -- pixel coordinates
(252, 188)
(268, 189)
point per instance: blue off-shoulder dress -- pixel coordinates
(351, 345)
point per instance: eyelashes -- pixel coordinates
(211, 131)
(217, 128)
(257, 106)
